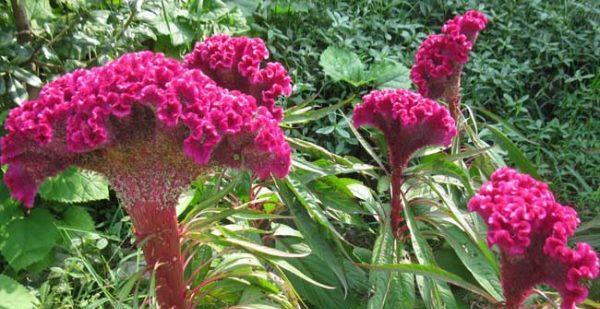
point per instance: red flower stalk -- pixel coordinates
(441, 57)
(532, 230)
(408, 122)
(151, 125)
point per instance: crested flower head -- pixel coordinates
(408, 121)
(236, 64)
(143, 114)
(441, 57)
(532, 230)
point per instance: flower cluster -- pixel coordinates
(532, 230)
(408, 121)
(440, 58)
(235, 64)
(130, 101)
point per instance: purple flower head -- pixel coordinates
(407, 120)
(532, 230)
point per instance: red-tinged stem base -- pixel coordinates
(396, 209)
(156, 229)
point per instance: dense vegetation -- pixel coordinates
(532, 79)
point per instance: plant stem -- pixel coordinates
(157, 230)
(396, 211)
(24, 37)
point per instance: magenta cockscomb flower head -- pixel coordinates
(151, 125)
(408, 122)
(236, 63)
(532, 230)
(441, 57)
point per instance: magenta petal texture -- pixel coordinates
(236, 64)
(440, 58)
(145, 104)
(532, 230)
(408, 121)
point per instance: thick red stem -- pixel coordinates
(156, 229)
(396, 211)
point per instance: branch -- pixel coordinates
(24, 37)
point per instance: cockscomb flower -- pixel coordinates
(236, 64)
(441, 57)
(532, 230)
(408, 122)
(151, 126)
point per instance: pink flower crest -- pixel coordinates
(441, 57)
(408, 121)
(236, 64)
(532, 230)
(147, 104)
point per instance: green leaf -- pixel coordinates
(434, 273)
(293, 270)
(390, 290)
(313, 232)
(15, 296)
(304, 116)
(474, 260)
(27, 77)
(75, 186)
(434, 294)
(390, 74)
(341, 64)
(38, 10)
(514, 153)
(30, 239)
(438, 164)
(78, 218)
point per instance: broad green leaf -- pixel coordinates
(78, 218)
(313, 233)
(341, 64)
(389, 290)
(29, 239)
(38, 10)
(75, 186)
(390, 74)
(434, 273)
(434, 294)
(15, 296)
(514, 153)
(471, 256)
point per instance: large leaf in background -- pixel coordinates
(78, 218)
(514, 153)
(434, 294)
(75, 186)
(390, 74)
(389, 290)
(15, 296)
(29, 239)
(341, 64)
